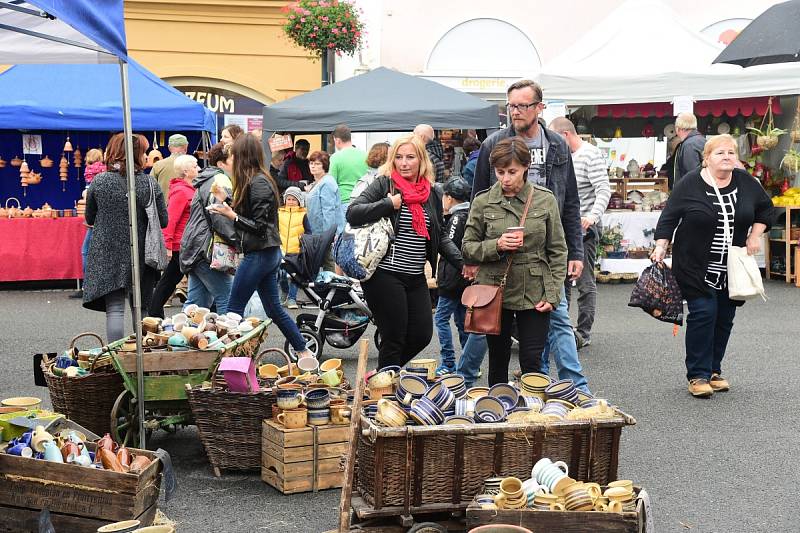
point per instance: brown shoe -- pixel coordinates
(699, 388)
(718, 383)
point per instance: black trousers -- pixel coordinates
(166, 286)
(401, 306)
(532, 327)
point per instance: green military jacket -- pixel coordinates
(539, 267)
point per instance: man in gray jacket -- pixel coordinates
(551, 167)
(690, 151)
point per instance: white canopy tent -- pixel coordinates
(623, 60)
(79, 31)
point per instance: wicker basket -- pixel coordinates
(604, 277)
(229, 423)
(767, 142)
(630, 277)
(445, 466)
(87, 400)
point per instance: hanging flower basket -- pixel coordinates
(322, 25)
(767, 135)
(791, 161)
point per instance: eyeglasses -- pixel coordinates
(521, 107)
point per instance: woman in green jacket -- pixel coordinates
(538, 256)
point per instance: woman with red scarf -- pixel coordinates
(397, 293)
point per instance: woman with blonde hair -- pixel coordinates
(397, 293)
(703, 204)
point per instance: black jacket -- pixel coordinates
(449, 280)
(292, 171)
(560, 175)
(196, 240)
(688, 155)
(690, 210)
(374, 204)
(258, 220)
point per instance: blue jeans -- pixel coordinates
(472, 354)
(87, 240)
(207, 286)
(287, 286)
(561, 343)
(445, 308)
(258, 271)
(708, 328)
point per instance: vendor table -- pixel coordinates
(634, 225)
(34, 249)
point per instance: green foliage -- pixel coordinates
(322, 25)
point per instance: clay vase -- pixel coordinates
(106, 443)
(139, 463)
(110, 461)
(69, 448)
(124, 457)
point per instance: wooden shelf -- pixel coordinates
(791, 255)
(792, 242)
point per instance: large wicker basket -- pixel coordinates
(87, 400)
(444, 467)
(229, 423)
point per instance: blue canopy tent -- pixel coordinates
(88, 98)
(87, 106)
(79, 31)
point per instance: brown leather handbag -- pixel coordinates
(484, 303)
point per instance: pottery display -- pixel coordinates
(46, 162)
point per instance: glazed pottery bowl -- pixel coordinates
(506, 393)
(492, 405)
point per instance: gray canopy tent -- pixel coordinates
(379, 100)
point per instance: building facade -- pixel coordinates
(230, 55)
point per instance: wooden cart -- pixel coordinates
(166, 374)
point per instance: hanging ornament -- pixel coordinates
(67, 145)
(24, 168)
(16, 161)
(46, 162)
(63, 172)
(23, 177)
(2, 162)
(618, 133)
(78, 156)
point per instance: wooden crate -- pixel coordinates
(562, 521)
(291, 460)
(101, 495)
(19, 520)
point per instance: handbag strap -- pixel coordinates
(528, 203)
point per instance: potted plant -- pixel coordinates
(767, 138)
(324, 25)
(611, 239)
(791, 161)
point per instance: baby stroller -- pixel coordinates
(343, 315)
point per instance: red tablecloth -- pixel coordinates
(41, 249)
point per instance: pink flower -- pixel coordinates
(325, 19)
(335, 31)
(330, 45)
(338, 23)
(302, 19)
(312, 35)
(316, 28)
(306, 12)
(344, 30)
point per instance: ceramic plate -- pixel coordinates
(723, 128)
(669, 131)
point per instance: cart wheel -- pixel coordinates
(125, 420)
(313, 343)
(427, 527)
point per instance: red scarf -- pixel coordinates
(414, 195)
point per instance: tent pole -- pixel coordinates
(135, 278)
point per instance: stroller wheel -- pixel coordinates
(313, 343)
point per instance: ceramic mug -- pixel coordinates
(390, 414)
(20, 449)
(340, 414)
(39, 438)
(613, 507)
(626, 484)
(330, 364)
(51, 452)
(379, 392)
(318, 399)
(319, 417)
(382, 380)
(293, 418)
(308, 364)
(332, 377)
(290, 398)
(268, 371)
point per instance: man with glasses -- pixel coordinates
(551, 167)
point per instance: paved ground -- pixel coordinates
(727, 464)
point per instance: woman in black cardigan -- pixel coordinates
(700, 253)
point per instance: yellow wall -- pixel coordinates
(238, 45)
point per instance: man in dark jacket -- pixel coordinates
(551, 167)
(295, 167)
(450, 283)
(472, 148)
(434, 149)
(689, 154)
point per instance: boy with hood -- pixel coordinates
(450, 283)
(292, 223)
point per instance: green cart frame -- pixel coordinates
(166, 374)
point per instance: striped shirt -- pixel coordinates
(717, 271)
(591, 175)
(407, 253)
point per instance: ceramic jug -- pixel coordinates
(51, 452)
(39, 438)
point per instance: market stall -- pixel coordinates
(43, 164)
